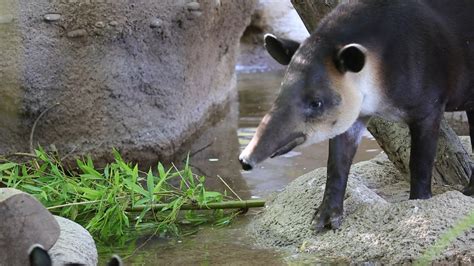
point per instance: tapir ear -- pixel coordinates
(38, 256)
(351, 58)
(282, 50)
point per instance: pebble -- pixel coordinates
(156, 23)
(193, 6)
(77, 33)
(99, 24)
(52, 17)
(113, 23)
(196, 13)
(6, 19)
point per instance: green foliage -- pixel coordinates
(101, 200)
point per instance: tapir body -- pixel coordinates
(402, 60)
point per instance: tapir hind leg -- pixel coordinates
(341, 152)
(424, 138)
(469, 189)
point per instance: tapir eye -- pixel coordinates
(316, 104)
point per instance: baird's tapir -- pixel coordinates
(402, 60)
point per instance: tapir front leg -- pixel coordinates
(341, 152)
(424, 138)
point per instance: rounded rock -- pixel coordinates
(99, 24)
(74, 246)
(52, 17)
(77, 33)
(5, 19)
(196, 14)
(156, 23)
(113, 23)
(193, 6)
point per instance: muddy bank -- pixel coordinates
(380, 224)
(141, 76)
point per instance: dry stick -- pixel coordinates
(241, 204)
(179, 173)
(231, 190)
(201, 149)
(32, 133)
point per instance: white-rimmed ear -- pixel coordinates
(282, 50)
(351, 58)
(38, 256)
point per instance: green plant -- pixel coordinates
(111, 201)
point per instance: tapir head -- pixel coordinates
(320, 96)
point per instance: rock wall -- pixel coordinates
(141, 76)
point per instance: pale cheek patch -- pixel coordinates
(367, 84)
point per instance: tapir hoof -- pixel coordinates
(325, 218)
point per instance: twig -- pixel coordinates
(179, 173)
(231, 190)
(32, 133)
(69, 153)
(241, 204)
(20, 154)
(74, 204)
(200, 149)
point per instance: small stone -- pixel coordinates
(77, 33)
(156, 23)
(99, 24)
(193, 6)
(113, 23)
(5, 19)
(196, 14)
(52, 17)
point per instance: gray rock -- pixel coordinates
(79, 33)
(99, 24)
(75, 245)
(156, 23)
(24, 222)
(193, 6)
(143, 93)
(195, 14)
(113, 23)
(52, 17)
(380, 224)
(6, 19)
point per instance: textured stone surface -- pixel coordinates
(75, 245)
(24, 222)
(458, 121)
(380, 224)
(119, 82)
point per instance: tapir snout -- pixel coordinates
(276, 135)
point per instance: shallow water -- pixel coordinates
(214, 153)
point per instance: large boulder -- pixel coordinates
(141, 76)
(380, 224)
(75, 245)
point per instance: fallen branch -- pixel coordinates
(244, 204)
